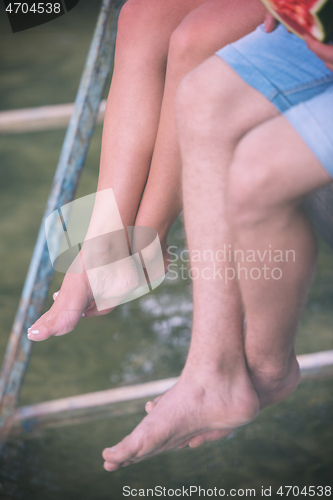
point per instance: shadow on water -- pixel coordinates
(140, 341)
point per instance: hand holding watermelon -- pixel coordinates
(324, 52)
(270, 23)
(304, 17)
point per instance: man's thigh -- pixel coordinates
(277, 163)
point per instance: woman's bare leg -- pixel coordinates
(130, 128)
(203, 31)
(136, 93)
(206, 29)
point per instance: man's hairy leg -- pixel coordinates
(271, 171)
(274, 251)
(214, 393)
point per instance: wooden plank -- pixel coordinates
(316, 364)
(73, 154)
(127, 400)
(86, 407)
(94, 399)
(40, 118)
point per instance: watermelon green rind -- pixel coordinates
(322, 15)
(323, 12)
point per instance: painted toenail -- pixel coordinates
(35, 332)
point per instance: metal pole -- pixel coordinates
(97, 68)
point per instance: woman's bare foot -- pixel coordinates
(76, 297)
(79, 294)
(73, 298)
(212, 407)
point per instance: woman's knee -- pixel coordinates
(185, 47)
(142, 24)
(207, 99)
(211, 26)
(129, 21)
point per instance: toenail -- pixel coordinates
(83, 315)
(35, 332)
(111, 449)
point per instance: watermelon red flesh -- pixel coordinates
(313, 17)
(296, 13)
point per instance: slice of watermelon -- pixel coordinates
(314, 17)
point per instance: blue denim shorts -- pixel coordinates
(294, 79)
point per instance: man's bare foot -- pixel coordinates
(188, 410)
(270, 387)
(276, 385)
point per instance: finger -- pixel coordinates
(270, 23)
(323, 51)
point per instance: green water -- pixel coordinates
(290, 444)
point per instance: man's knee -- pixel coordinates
(252, 185)
(190, 97)
(206, 101)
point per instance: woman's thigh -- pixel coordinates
(215, 23)
(149, 24)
